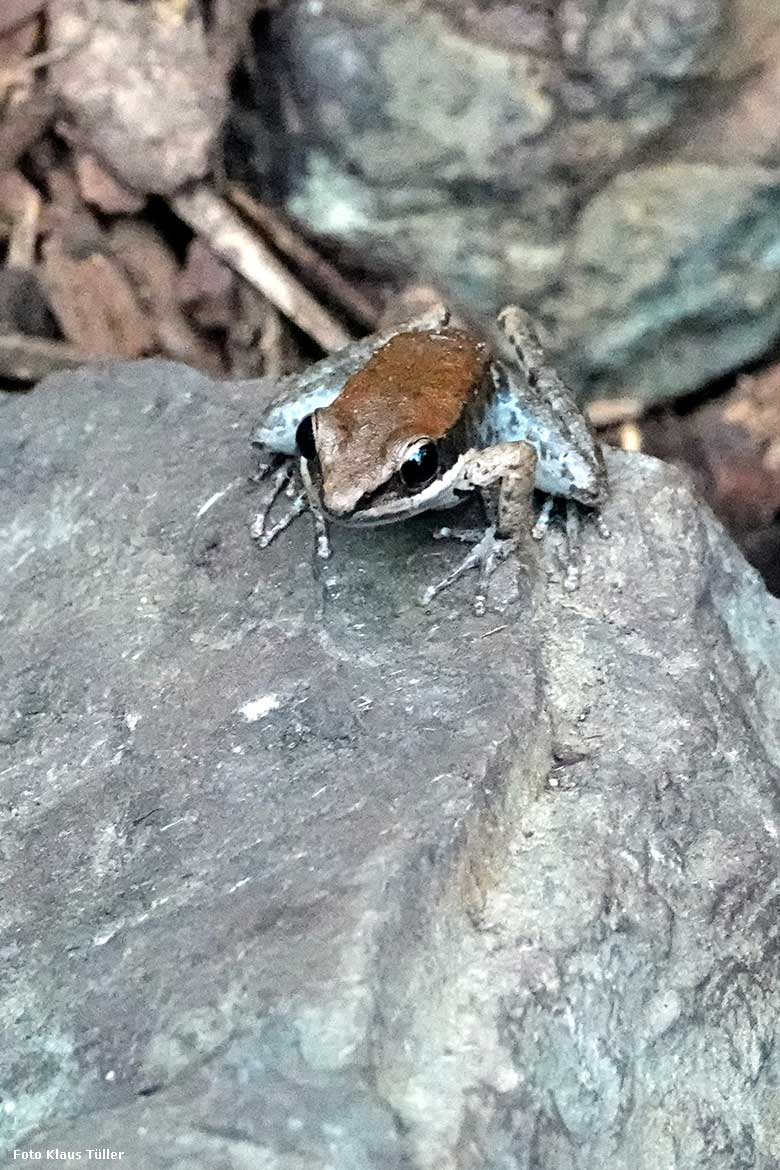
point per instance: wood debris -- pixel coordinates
(28, 359)
(321, 274)
(90, 262)
(226, 234)
(16, 12)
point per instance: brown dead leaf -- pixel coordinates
(207, 287)
(144, 93)
(16, 44)
(154, 272)
(15, 196)
(102, 190)
(94, 302)
(28, 359)
(22, 124)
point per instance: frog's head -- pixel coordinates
(389, 446)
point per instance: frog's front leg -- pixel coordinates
(504, 476)
(321, 536)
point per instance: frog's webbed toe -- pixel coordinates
(575, 515)
(464, 535)
(298, 504)
(281, 479)
(489, 551)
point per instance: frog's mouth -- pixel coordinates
(392, 502)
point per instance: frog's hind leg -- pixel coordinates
(519, 332)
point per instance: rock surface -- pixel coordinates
(498, 148)
(383, 890)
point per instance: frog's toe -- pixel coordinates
(464, 535)
(280, 480)
(297, 505)
(489, 551)
(542, 525)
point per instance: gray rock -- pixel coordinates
(387, 889)
(575, 157)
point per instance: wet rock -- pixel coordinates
(387, 888)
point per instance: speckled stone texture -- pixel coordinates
(387, 889)
(611, 164)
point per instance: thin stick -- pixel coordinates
(227, 235)
(284, 237)
(610, 412)
(28, 359)
(24, 233)
(16, 12)
(30, 65)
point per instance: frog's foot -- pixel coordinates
(299, 503)
(267, 462)
(486, 554)
(544, 519)
(574, 516)
(570, 557)
(281, 480)
(464, 535)
(571, 568)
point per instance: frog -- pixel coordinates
(421, 417)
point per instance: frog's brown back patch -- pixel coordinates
(416, 384)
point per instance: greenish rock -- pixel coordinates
(673, 278)
(509, 152)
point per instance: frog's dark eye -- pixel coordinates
(304, 438)
(420, 466)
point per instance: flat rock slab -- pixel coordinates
(378, 887)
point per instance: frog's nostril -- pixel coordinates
(338, 503)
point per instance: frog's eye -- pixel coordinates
(304, 438)
(420, 466)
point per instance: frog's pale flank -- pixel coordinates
(421, 417)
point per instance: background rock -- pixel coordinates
(390, 889)
(502, 149)
(144, 84)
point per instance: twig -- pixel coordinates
(495, 630)
(227, 235)
(16, 12)
(24, 233)
(28, 359)
(287, 240)
(52, 56)
(610, 412)
(9, 77)
(630, 437)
